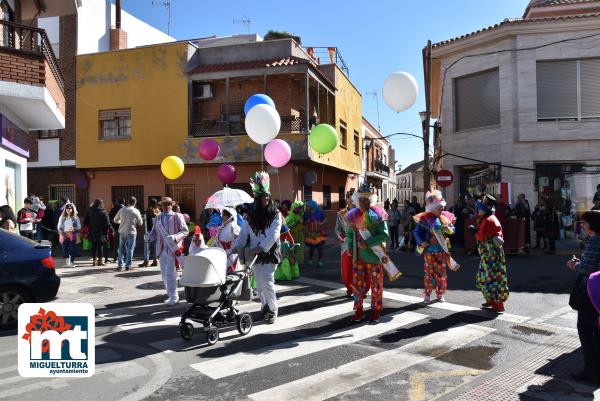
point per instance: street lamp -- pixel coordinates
(425, 117)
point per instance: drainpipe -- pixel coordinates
(118, 14)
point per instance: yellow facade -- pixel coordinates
(151, 81)
(348, 108)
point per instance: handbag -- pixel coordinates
(579, 299)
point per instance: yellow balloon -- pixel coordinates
(172, 167)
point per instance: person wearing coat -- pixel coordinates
(169, 231)
(341, 225)
(99, 223)
(587, 315)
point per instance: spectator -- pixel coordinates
(416, 205)
(128, 219)
(596, 200)
(49, 221)
(114, 241)
(149, 219)
(539, 217)
(459, 237)
(8, 220)
(99, 223)
(552, 232)
(68, 227)
(394, 223)
(386, 205)
(26, 219)
(39, 208)
(587, 315)
(523, 212)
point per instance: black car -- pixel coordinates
(26, 275)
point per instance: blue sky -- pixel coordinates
(374, 37)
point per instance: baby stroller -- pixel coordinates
(213, 293)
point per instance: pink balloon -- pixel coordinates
(278, 153)
(227, 174)
(208, 149)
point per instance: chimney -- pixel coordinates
(118, 37)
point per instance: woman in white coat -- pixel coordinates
(260, 237)
(226, 236)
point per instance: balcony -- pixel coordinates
(31, 82)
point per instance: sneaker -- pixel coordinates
(155, 263)
(498, 307)
(427, 299)
(441, 299)
(375, 316)
(270, 318)
(128, 268)
(67, 261)
(172, 302)
(486, 304)
(359, 315)
(119, 269)
(145, 264)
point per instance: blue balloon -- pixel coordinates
(256, 100)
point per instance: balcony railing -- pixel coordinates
(381, 167)
(29, 40)
(211, 127)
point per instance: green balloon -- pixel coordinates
(323, 138)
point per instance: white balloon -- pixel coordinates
(263, 123)
(400, 90)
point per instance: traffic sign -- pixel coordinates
(444, 178)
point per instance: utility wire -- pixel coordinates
(483, 162)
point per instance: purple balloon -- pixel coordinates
(594, 289)
(208, 149)
(278, 153)
(227, 173)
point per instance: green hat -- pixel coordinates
(260, 184)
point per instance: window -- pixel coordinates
(342, 197)
(115, 124)
(125, 192)
(57, 192)
(356, 143)
(48, 134)
(343, 135)
(568, 90)
(307, 193)
(327, 197)
(477, 100)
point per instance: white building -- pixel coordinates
(376, 162)
(524, 93)
(410, 183)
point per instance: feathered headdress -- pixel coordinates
(433, 200)
(260, 183)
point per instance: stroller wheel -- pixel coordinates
(212, 335)
(244, 323)
(186, 330)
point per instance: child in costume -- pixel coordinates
(295, 222)
(491, 277)
(430, 233)
(314, 219)
(341, 225)
(288, 269)
(227, 233)
(197, 244)
(366, 235)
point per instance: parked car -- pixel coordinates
(26, 275)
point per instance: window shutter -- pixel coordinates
(557, 89)
(590, 88)
(477, 100)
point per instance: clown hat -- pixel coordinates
(434, 200)
(364, 192)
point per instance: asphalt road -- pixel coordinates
(313, 352)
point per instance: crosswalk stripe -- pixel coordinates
(348, 377)
(174, 321)
(284, 322)
(246, 361)
(409, 299)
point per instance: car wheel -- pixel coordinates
(11, 297)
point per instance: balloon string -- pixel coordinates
(262, 165)
(279, 186)
(323, 183)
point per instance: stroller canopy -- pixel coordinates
(205, 269)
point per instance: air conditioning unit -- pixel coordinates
(203, 91)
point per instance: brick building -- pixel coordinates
(32, 95)
(52, 170)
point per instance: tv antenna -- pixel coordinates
(246, 22)
(374, 94)
(166, 4)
